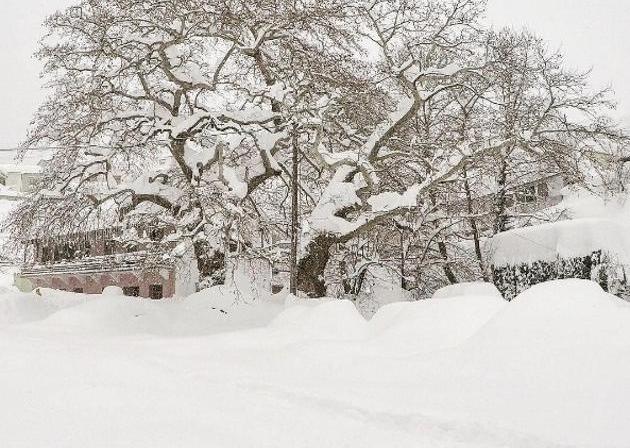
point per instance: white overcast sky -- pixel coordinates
(591, 33)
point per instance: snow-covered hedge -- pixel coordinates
(590, 249)
(511, 280)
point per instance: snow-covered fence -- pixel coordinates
(591, 249)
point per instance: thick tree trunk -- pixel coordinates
(312, 265)
(448, 271)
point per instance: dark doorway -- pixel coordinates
(156, 292)
(131, 291)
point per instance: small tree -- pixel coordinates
(557, 124)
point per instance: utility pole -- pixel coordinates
(294, 216)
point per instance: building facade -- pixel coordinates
(19, 173)
(89, 262)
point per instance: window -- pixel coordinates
(87, 249)
(156, 233)
(76, 12)
(131, 291)
(527, 194)
(29, 182)
(110, 247)
(56, 253)
(45, 254)
(68, 251)
(156, 292)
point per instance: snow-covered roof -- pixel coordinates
(12, 161)
(565, 239)
(488, 185)
(8, 192)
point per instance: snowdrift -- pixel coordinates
(467, 289)
(19, 308)
(555, 362)
(549, 369)
(433, 324)
(322, 320)
(211, 311)
(560, 313)
(399, 327)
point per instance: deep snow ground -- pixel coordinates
(550, 369)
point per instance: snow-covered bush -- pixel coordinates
(589, 249)
(511, 280)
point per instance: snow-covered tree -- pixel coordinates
(512, 114)
(423, 51)
(174, 112)
(183, 115)
(557, 123)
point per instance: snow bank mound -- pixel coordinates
(113, 291)
(468, 289)
(401, 327)
(547, 369)
(561, 313)
(322, 320)
(555, 360)
(19, 308)
(15, 309)
(210, 311)
(433, 324)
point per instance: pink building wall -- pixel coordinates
(94, 283)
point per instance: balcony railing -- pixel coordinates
(95, 264)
